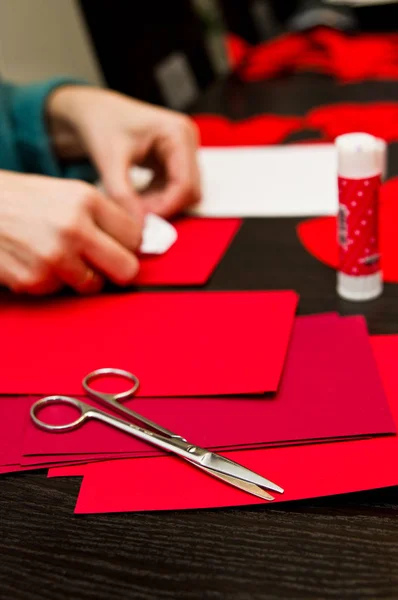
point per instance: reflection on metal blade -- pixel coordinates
(223, 465)
(250, 488)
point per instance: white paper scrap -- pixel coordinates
(158, 235)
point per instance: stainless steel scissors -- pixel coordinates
(213, 464)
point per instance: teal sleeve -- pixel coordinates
(28, 115)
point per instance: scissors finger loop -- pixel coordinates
(98, 373)
(37, 406)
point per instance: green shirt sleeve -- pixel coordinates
(33, 144)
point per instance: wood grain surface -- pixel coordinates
(342, 547)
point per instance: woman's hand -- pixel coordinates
(55, 232)
(117, 132)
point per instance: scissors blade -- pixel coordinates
(250, 488)
(218, 463)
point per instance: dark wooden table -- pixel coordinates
(341, 547)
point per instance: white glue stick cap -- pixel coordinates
(359, 289)
(359, 155)
(382, 156)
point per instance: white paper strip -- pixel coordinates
(269, 181)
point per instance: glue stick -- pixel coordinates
(361, 160)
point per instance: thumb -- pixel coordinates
(114, 165)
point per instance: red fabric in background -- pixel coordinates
(350, 57)
(378, 118)
(236, 49)
(256, 131)
(273, 58)
(346, 57)
(318, 236)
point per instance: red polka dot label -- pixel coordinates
(358, 226)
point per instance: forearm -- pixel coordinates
(31, 127)
(65, 140)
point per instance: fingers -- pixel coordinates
(22, 279)
(114, 165)
(98, 242)
(81, 259)
(118, 223)
(176, 150)
(43, 280)
(109, 257)
(58, 232)
(78, 275)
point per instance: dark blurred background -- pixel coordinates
(166, 52)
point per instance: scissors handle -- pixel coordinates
(112, 399)
(98, 373)
(84, 410)
(178, 446)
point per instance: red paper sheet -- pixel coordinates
(13, 420)
(322, 348)
(178, 344)
(18, 468)
(199, 248)
(319, 237)
(378, 118)
(304, 471)
(75, 467)
(14, 415)
(256, 131)
(57, 459)
(68, 471)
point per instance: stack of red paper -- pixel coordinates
(205, 360)
(330, 392)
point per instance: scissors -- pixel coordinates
(209, 462)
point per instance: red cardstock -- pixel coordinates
(178, 344)
(322, 348)
(310, 471)
(13, 420)
(200, 246)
